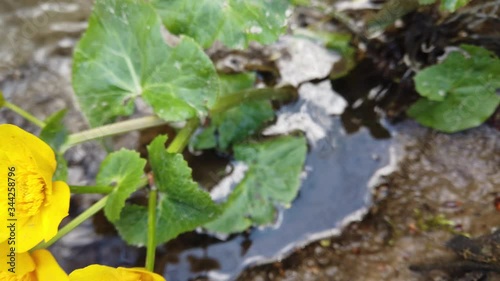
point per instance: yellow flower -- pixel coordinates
(30, 203)
(97, 272)
(37, 266)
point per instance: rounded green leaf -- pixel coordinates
(123, 56)
(233, 22)
(459, 93)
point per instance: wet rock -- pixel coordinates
(311, 113)
(296, 65)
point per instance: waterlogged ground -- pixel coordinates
(376, 197)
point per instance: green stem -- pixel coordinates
(74, 223)
(223, 104)
(114, 129)
(176, 146)
(24, 114)
(182, 138)
(81, 189)
(237, 98)
(151, 248)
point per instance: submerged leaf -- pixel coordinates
(460, 93)
(122, 56)
(272, 179)
(233, 22)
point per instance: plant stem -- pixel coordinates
(237, 98)
(182, 138)
(114, 129)
(151, 249)
(74, 223)
(152, 121)
(24, 114)
(176, 146)
(81, 189)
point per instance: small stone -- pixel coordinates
(331, 271)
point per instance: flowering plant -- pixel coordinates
(35, 205)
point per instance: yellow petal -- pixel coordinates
(97, 272)
(34, 148)
(56, 209)
(4, 165)
(44, 155)
(4, 214)
(4, 200)
(47, 268)
(23, 263)
(146, 275)
(105, 273)
(29, 233)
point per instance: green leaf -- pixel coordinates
(446, 5)
(123, 56)
(301, 2)
(235, 23)
(452, 5)
(272, 179)
(426, 2)
(55, 135)
(182, 205)
(389, 13)
(455, 113)
(235, 124)
(2, 99)
(124, 171)
(61, 173)
(460, 93)
(133, 225)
